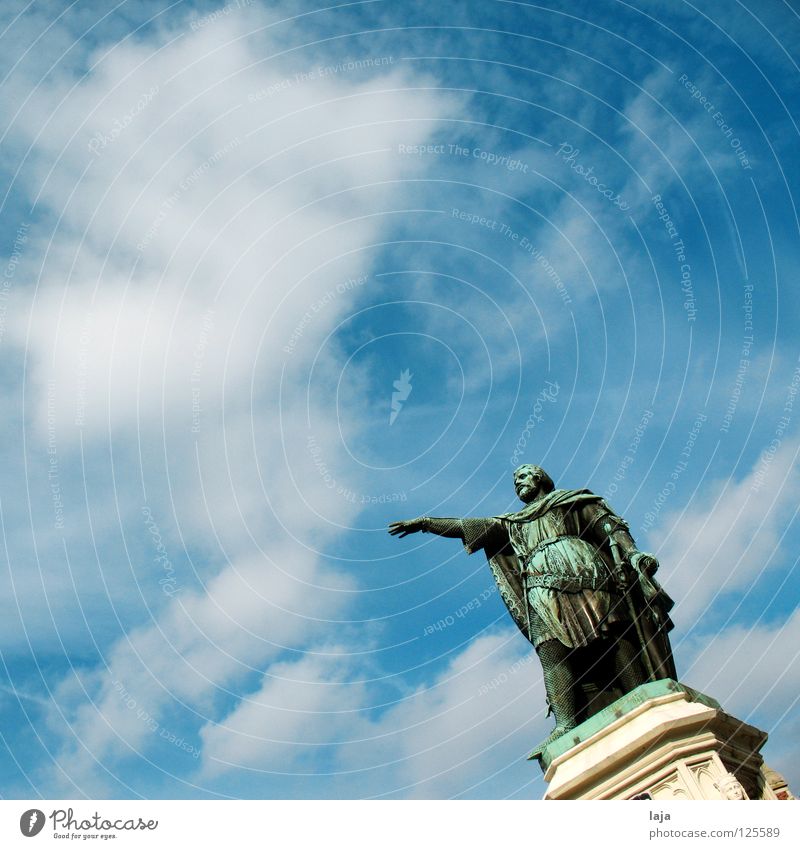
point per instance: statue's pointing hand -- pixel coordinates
(404, 528)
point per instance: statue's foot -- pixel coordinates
(557, 732)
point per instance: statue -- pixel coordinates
(731, 788)
(577, 587)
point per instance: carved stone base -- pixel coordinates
(661, 741)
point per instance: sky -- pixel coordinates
(278, 274)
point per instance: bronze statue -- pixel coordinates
(578, 589)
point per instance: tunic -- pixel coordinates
(552, 554)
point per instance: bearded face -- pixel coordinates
(527, 483)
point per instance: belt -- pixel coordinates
(566, 584)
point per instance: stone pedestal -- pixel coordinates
(661, 741)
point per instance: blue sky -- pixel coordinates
(227, 232)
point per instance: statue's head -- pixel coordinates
(532, 481)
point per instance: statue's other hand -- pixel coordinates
(646, 563)
(406, 527)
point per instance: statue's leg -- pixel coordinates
(628, 664)
(559, 684)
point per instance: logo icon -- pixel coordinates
(401, 393)
(31, 822)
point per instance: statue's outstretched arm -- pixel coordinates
(441, 527)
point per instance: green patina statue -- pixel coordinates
(578, 589)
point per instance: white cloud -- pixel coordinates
(460, 735)
(729, 533)
(753, 671)
(464, 732)
(196, 649)
(188, 249)
(301, 706)
(248, 210)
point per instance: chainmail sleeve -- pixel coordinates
(482, 533)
